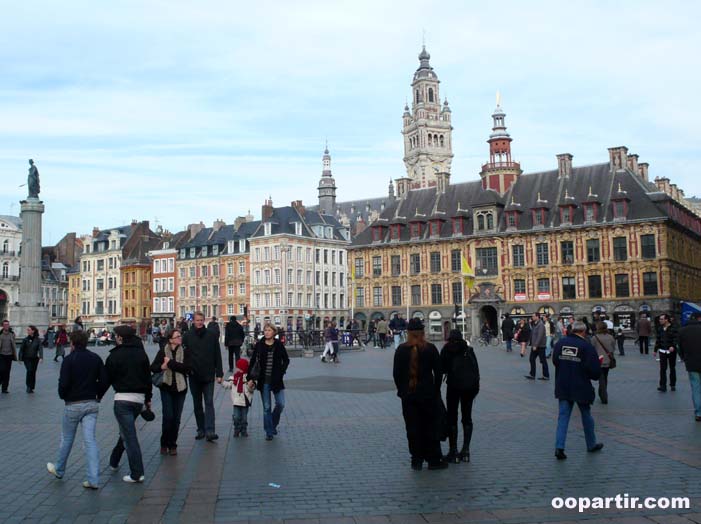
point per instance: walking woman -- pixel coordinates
(31, 353)
(417, 375)
(174, 361)
(61, 342)
(459, 363)
(523, 335)
(605, 345)
(270, 357)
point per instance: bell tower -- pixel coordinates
(327, 186)
(501, 171)
(427, 129)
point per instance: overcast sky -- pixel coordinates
(177, 112)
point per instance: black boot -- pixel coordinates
(452, 455)
(464, 454)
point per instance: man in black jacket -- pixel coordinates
(666, 345)
(234, 336)
(205, 356)
(129, 373)
(81, 385)
(690, 353)
(507, 330)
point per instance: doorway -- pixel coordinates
(489, 314)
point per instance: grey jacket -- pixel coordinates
(538, 339)
(604, 344)
(7, 344)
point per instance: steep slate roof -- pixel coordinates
(583, 182)
(16, 221)
(284, 218)
(364, 208)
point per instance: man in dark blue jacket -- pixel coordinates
(576, 365)
(690, 353)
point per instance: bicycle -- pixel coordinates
(493, 340)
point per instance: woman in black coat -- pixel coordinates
(31, 353)
(270, 357)
(523, 335)
(417, 375)
(459, 364)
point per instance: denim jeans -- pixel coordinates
(84, 413)
(172, 410)
(397, 340)
(240, 418)
(695, 382)
(563, 420)
(508, 341)
(548, 346)
(205, 417)
(272, 418)
(126, 414)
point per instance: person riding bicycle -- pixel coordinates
(486, 333)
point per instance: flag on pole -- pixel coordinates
(467, 273)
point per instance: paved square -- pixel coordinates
(341, 455)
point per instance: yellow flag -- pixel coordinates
(467, 272)
(353, 273)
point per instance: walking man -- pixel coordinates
(576, 365)
(666, 346)
(644, 330)
(382, 329)
(8, 353)
(538, 343)
(690, 353)
(205, 356)
(129, 374)
(507, 331)
(81, 385)
(234, 335)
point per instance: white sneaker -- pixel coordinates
(87, 485)
(127, 478)
(113, 468)
(51, 467)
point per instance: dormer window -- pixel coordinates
(166, 245)
(193, 252)
(566, 214)
(485, 220)
(267, 228)
(620, 209)
(298, 228)
(329, 232)
(203, 253)
(512, 219)
(435, 228)
(539, 217)
(458, 225)
(377, 233)
(242, 245)
(182, 253)
(395, 231)
(230, 246)
(215, 250)
(590, 212)
(415, 229)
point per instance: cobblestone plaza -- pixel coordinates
(341, 455)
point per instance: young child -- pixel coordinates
(620, 338)
(241, 397)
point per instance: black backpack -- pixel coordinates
(464, 372)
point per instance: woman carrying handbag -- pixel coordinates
(605, 345)
(171, 366)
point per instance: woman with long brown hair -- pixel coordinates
(417, 375)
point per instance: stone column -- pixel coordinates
(30, 310)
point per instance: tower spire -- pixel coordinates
(327, 185)
(501, 171)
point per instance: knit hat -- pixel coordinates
(125, 331)
(242, 364)
(415, 324)
(455, 335)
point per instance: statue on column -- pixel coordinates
(33, 180)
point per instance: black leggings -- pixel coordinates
(464, 399)
(234, 351)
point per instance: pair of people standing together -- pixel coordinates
(418, 373)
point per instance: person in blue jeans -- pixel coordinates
(129, 373)
(576, 365)
(270, 360)
(82, 383)
(690, 353)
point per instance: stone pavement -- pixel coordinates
(341, 455)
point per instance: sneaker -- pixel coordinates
(164, 450)
(87, 485)
(212, 437)
(529, 377)
(51, 468)
(128, 479)
(597, 447)
(544, 378)
(199, 436)
(268, 437)
(173, 452)
(323, 359)
(114, 468)
(560, 454)
(663, 390)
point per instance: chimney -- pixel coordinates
(564, 165)
(633, 163)
(360, 225)
(238, 222)
(95, 231)
(618, 157)
(643, 170)
(662, 184)
(218, 224)
(266, 210)
(194, 229)
(297, 204)
(674, 191)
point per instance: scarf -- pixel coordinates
(239, 381)
(180, 383)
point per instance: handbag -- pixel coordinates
(612, 359)
(254, 371)
(157, 379)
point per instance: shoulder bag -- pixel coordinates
(612, 359)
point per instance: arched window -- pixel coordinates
(442, 144)
(5, 270)
(5, 246)
(430, 139)
(480, 222)
(417, 96)
(490, 221)
(430, 94)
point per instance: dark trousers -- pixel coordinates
(419, 420)
(383, 340)
(603, 385)
(464, 399)
(644, 343)
(126, 414)
(172, 403)
(668, 360)
(31, 364)
(234, 351)
(59, 352)
(5, 369)
(539, 353)
(621, 341)
(205, 417)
